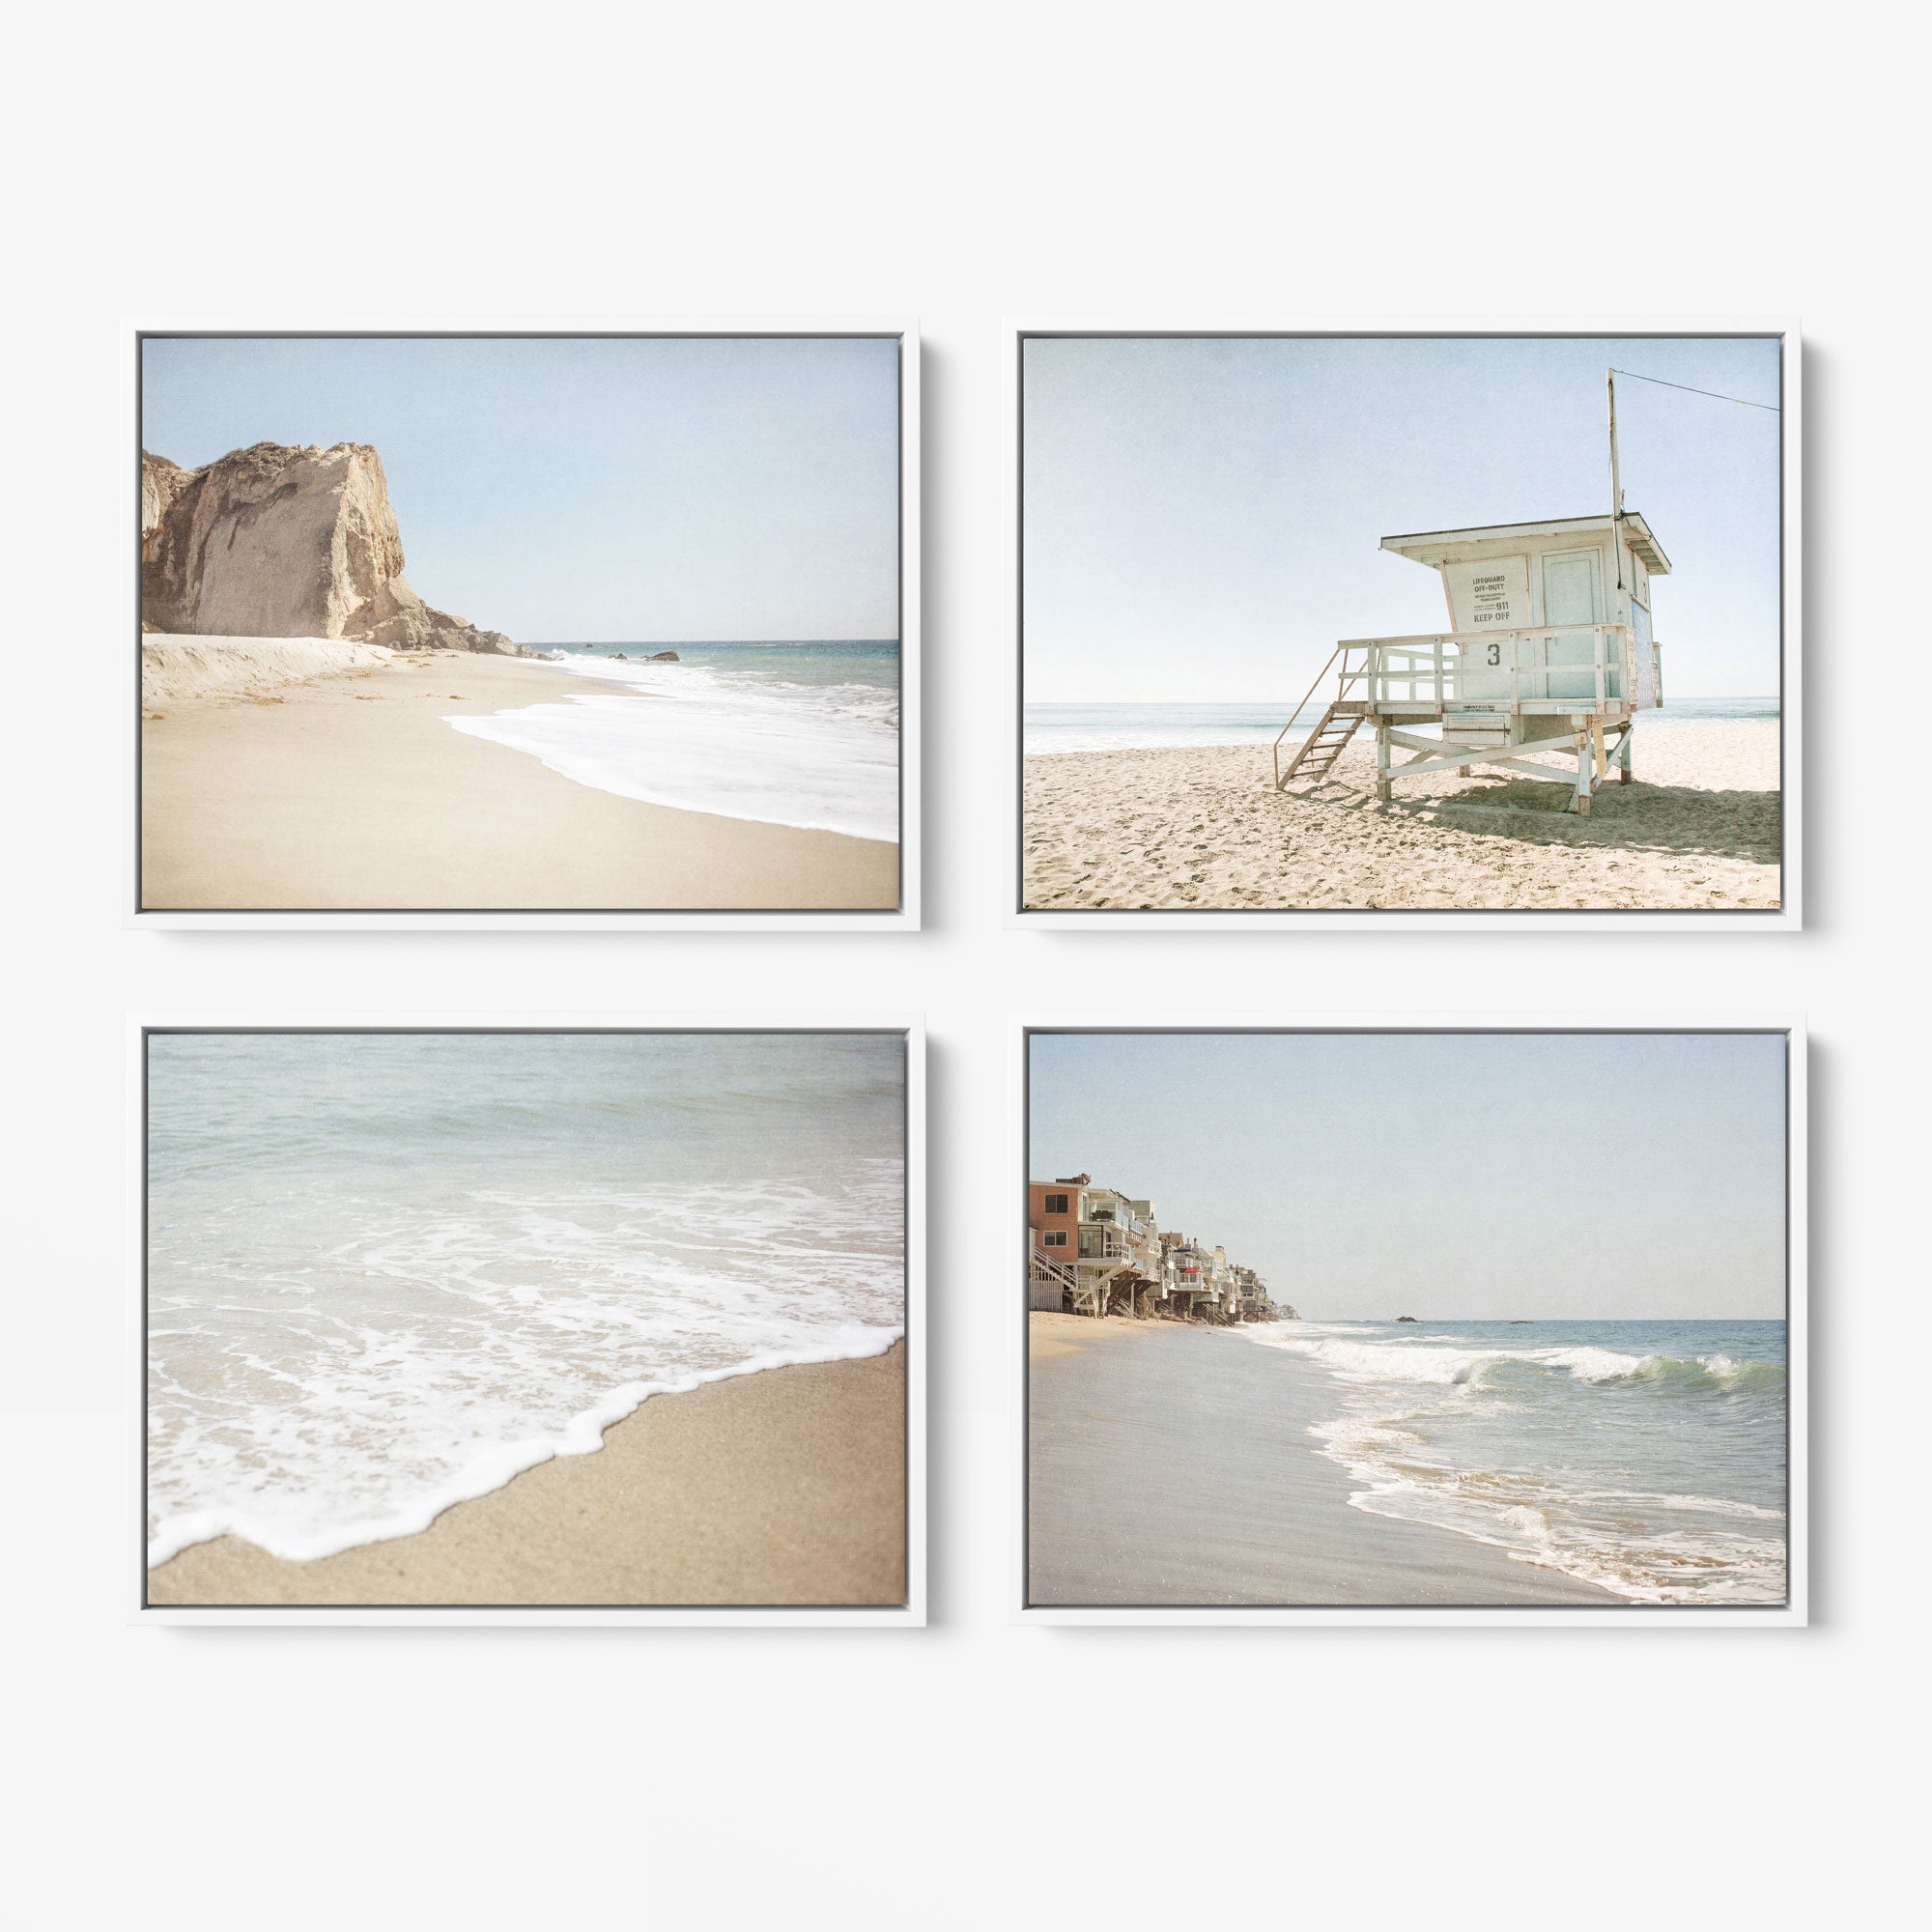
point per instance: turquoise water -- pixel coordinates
(866, 664)
(1112, 728)
(1646, 1457)
(388, 1271)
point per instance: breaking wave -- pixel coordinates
(1645, 1458)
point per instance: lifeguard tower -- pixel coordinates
(1550, 649)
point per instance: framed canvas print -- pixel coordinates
(1393, 623)
(489, 626)
(524, 1321)
(1356, 1336)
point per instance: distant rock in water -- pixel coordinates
(275, 542)
(662, 658)
(1404, 1317)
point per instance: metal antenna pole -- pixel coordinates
(1616, 484)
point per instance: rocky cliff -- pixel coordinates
(161, 483)
(275, 542)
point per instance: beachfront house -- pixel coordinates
(1053, 1223)
(1221, 1279)
(1253, 1303)
(1085, 1248)
(1091, 1250)
(1551, 650)
(1120, 1233)
(1186, 1285)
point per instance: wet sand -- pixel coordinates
(1169, 1466)
(1699, 827)
(350, 792)
(786, 1487)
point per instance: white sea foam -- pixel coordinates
(315, 1533)
(821, 756)
(432, 1356)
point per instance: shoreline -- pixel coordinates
(348, 790)
(781, 1486)
(1178, 1474)
(1202, 828)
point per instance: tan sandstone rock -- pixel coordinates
(277, 541)
(161, 482)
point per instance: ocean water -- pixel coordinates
(803, 734)
(388, 1271)
(1116, 727)
(1646, 1457)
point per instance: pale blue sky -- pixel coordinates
(589, 490)
(1455, 1175)
(1201, 517)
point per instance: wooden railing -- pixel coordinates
(1434, 672)
(1048, 1267)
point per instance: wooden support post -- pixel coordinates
(1624, 754)
(1585, 768)
(1598, 756)
(1383, 790)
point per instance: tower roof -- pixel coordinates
(1429, 546)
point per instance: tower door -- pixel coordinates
(1572, 593)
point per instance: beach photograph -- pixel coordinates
(679, 684)
(1327, 625)
(526, 1318)
(1359, 1332)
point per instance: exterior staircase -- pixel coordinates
(1315, 759)
(1050, 1279)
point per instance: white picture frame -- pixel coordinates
(1786, 916)
(905, 917)
(1015, 1248)
(911, 1614)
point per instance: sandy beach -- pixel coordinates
(1170, 1465)
(780, 1487)
(275, 787)
(1204, 828)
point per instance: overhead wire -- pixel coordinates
(1689, 390)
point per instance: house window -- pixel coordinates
(1054, 1238)
(1055, 1203)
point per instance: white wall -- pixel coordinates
(276, 163)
